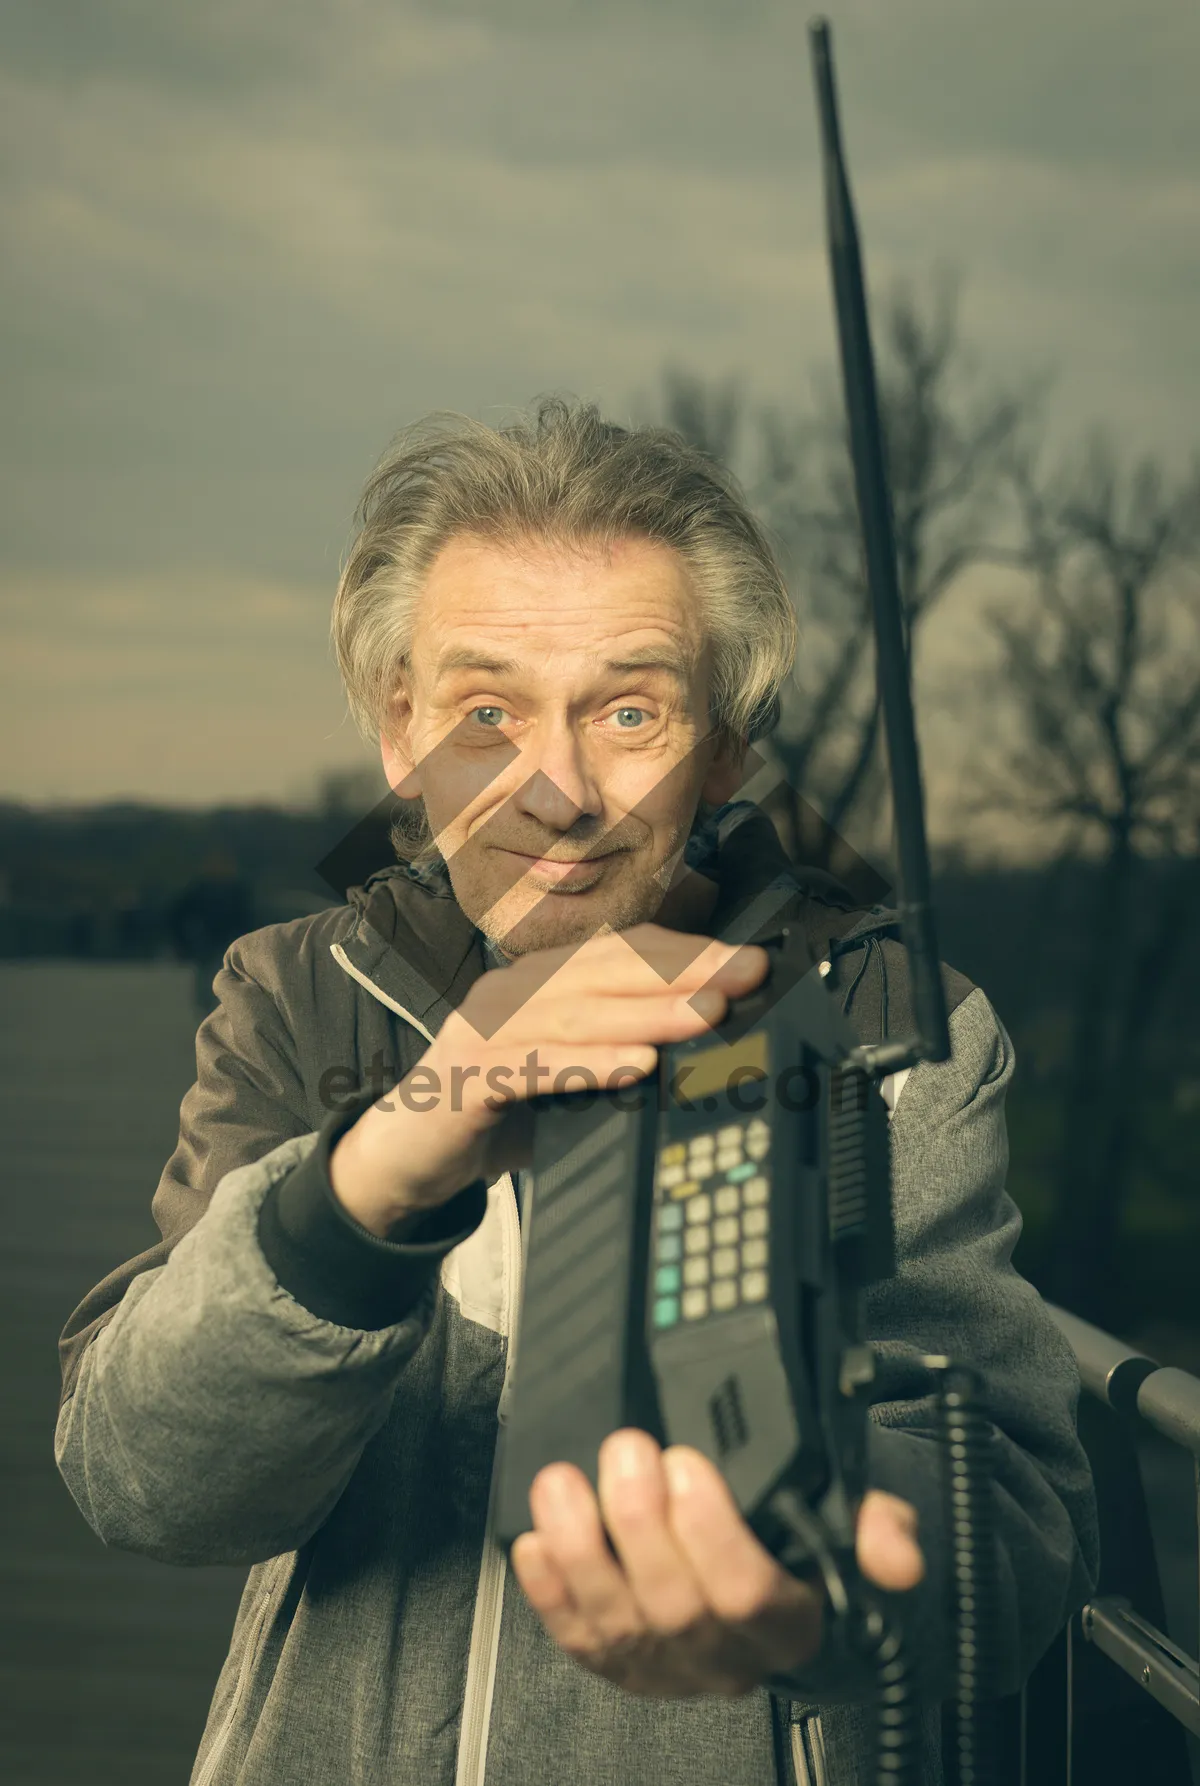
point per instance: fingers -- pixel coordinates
(587, 1603)
(886, 1541)
(740, 1577)
(643, 962)
(634, 1503)
(685, 1600)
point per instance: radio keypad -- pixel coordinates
(705, 1265)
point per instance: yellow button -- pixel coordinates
(687, 1187)
(671, 1156)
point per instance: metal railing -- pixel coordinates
(1123, 1388)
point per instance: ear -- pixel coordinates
(726, 771)
(395, 748)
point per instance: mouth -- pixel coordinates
(585, 871)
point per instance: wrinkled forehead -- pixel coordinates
(548, 612)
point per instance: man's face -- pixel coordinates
(555, 721)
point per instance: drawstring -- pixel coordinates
(842, 946)
(837, 949)
(883, 997)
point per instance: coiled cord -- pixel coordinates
(897, 1732)
(967, 1438)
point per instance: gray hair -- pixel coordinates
(564, 475)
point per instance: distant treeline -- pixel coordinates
(107, 882)
(127, 882)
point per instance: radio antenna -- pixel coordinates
(932, 1038)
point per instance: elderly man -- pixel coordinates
(564, 634)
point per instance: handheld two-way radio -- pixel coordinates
(695, 1248)
(697, 1244)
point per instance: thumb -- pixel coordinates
(886, 1541)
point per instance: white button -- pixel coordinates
(695, 1240)
(724, 1294)
(698, 1209)
(754, 1222)
(695, 1304)
(755, 1191)
(725, 1261)
(754, 1254)
(669, 1175)
(701, 1144)
(729, 1156)
(757, 1129)
(754, 1287)
(730, 1136)
(725, 1230)
(695, 1271)
(758, 1146)
(823, 968)
(727, 1200)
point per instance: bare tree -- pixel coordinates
(1102, 670)
(947, 450)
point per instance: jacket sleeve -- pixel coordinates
(215, 1419)
(220, 1388)
(248, 1097)
(957, 1293)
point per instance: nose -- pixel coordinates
(559, 785)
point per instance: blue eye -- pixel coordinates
(476, 711)
(639, 714)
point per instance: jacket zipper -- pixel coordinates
(489, 1596)
(489, 1593)
(814, 1774)
(249, 1655)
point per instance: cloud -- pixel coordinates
(243, 244)
(186, 686)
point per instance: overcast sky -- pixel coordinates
(243, 243)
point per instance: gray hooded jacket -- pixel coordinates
(271, 1385)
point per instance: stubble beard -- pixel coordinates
(525, 920)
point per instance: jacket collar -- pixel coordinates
(409, 936)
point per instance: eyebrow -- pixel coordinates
(649, 657)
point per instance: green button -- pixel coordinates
(747, 1169)
(666, 1311)
(670, 1218)
(670, 1247)
(666, 1279)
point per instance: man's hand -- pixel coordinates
(601, 1008)
(691, 1602)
